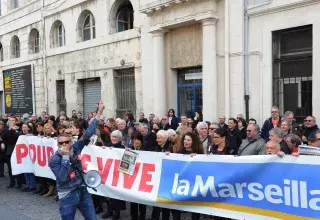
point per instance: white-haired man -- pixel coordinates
(205, 138)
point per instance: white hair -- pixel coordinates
(117, 133)
(202, 123)
(171, 132)
(163, 134)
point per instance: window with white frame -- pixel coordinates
(15, 47)
(89, 28)
(86, 27)
(61, 36)
(1, 53)
(58, 35)
(34, 41)
(124, 16)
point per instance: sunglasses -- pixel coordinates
(308, 120)
(63, 142)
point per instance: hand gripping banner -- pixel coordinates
(253, 187)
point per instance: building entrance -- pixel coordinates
(189, 91)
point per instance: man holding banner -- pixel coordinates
(67, 168)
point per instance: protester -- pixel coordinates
(10, 142)
(253, 144)
(137, 211)
(29, 177)
(68, 171)
(220, 143)
(172, 119)
(115, 205)
(272, 122)
(205, 138)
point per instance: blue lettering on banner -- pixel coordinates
(282, 187)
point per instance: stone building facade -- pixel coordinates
(219, 57)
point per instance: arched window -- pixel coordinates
(15, 47)
(86, 26)
(58, 35)
(1, 53)
(124, 17)
(34, 41)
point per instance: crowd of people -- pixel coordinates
(167, 134)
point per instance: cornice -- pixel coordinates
(150, 8)
(260, 11)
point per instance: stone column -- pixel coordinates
(158, 67)
(209, 69)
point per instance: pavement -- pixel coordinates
(18, 205)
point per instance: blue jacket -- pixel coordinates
(67, 176)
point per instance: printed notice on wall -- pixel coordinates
(18, 90)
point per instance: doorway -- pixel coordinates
(189, 91)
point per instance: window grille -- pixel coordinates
(125, 91)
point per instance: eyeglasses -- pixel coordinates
(307, 120)
(248, 131)
(164, 119)
(63, 142)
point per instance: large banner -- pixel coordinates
(253, 187)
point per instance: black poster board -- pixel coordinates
(18, 90)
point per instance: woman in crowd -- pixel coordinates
(137, 211)
(220, 144)
(173, 120)
(115, 205)
(175, 141)
(242, 126)
(277, 135)
(39, 129)
(191, 145)
(285, 128)
(129, 138)
(61, 129)
(29, 177)
(129, 119)
(49, 132)
(197, 118)
(52, 121)
(11, 140)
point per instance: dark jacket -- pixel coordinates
(285, 148)
(117, 145)
(214, 150)
(234, 140)
(310, 133)
(174, 123)
(143, 120)
(166, 127)
(267, 126)
(11, 140)
(150, 142)
(3, 139)
(166, 147)
(225, 126)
